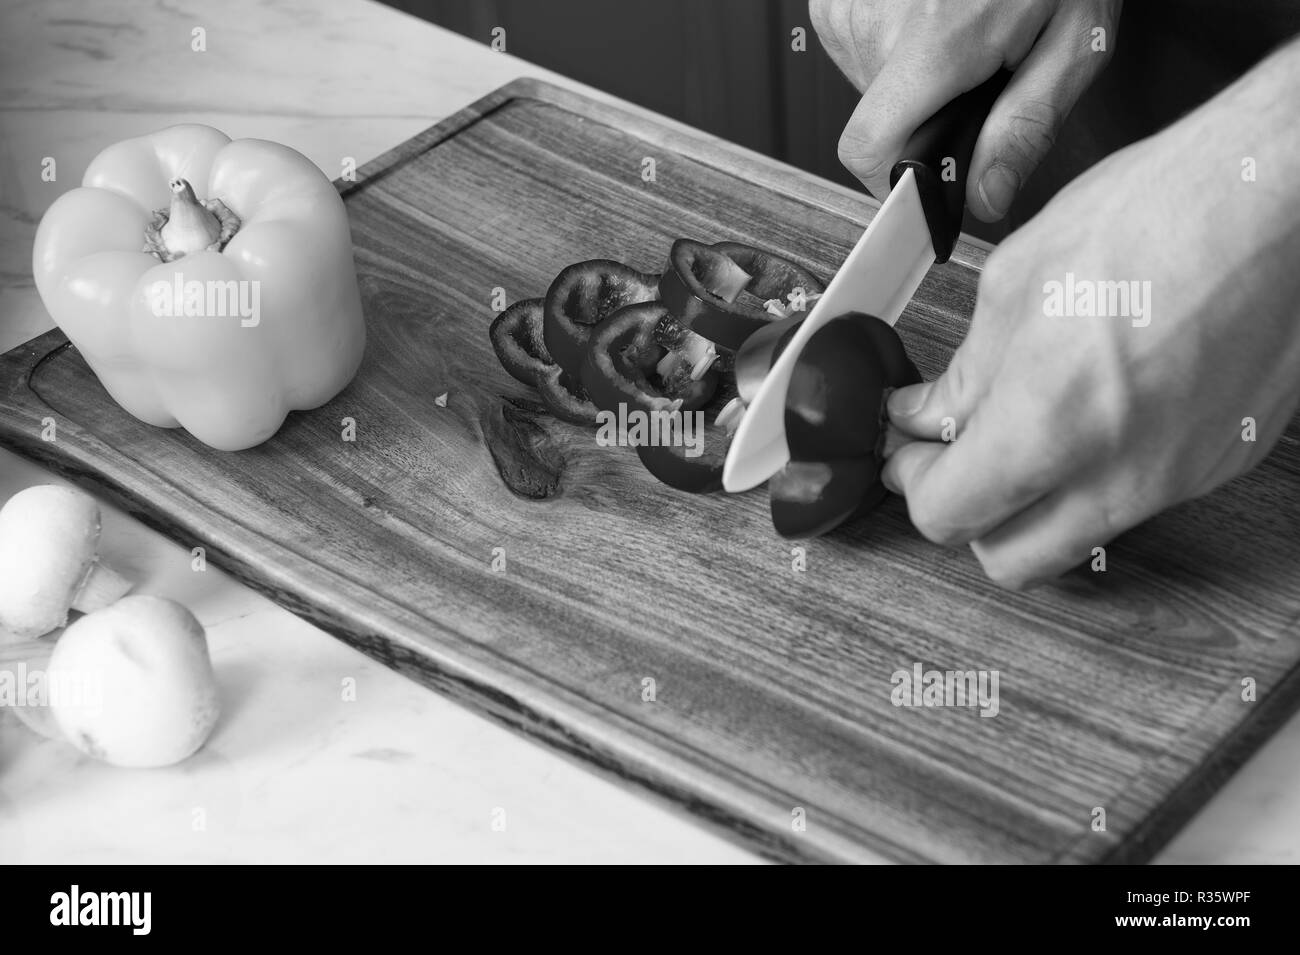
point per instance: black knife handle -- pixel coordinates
(949, 134)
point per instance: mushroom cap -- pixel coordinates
(139, 682)
(48, 539)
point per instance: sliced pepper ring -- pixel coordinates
(701, 472)
(702, 283)
(625, 365)
(774, 277)
(837, 388)
(671, 464)
(566, 398)
(751, 364)
(517, 340)
(583, 296)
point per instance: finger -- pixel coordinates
(908, 463)
(930, 410)
(840, 26)
(1045, 540)
(910, 87)
(893, 440)
(937, 53)
(1025, 120)
(1008, 456)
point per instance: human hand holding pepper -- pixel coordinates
(908, 59)
(1069, 430)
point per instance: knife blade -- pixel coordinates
(915, 227)
(878, 278)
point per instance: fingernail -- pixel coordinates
(998, 187)
(907, 401)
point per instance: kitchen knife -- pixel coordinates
(915, 227)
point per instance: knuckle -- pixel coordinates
(1041, 426)
(930, 518)
(1113, 513)
(1104, 14)
(1110, 421)
(1030, 131)
(1002, 270)
(996, 268)
(953, 399)
(1008, 577)
(820, 13)
(954, 383)
(861, 156)
(1097, 397)
(1050, 449)
(839, 16)
(1002, 568)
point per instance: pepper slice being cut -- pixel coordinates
(836, 395)
(811, 498)
(517, 339)
(703, 287)
(625, 365)
(759, 353)
(583, 296)
(834, 419)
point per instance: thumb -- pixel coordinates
(1024, 122)
(937, 410)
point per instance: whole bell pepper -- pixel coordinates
(208, 283)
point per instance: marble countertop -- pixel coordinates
(294, 773)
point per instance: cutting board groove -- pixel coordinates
(773, 693)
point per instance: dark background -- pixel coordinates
(726, 66)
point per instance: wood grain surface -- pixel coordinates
(1120, 690)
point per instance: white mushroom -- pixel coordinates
(49, 539)
(132, 684)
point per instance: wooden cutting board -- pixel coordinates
(1119, 691)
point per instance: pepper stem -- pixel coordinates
(189, 225)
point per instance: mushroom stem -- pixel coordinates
(32, 655)
(101, 587)
(30, 652)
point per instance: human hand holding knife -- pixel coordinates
(915, 227)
